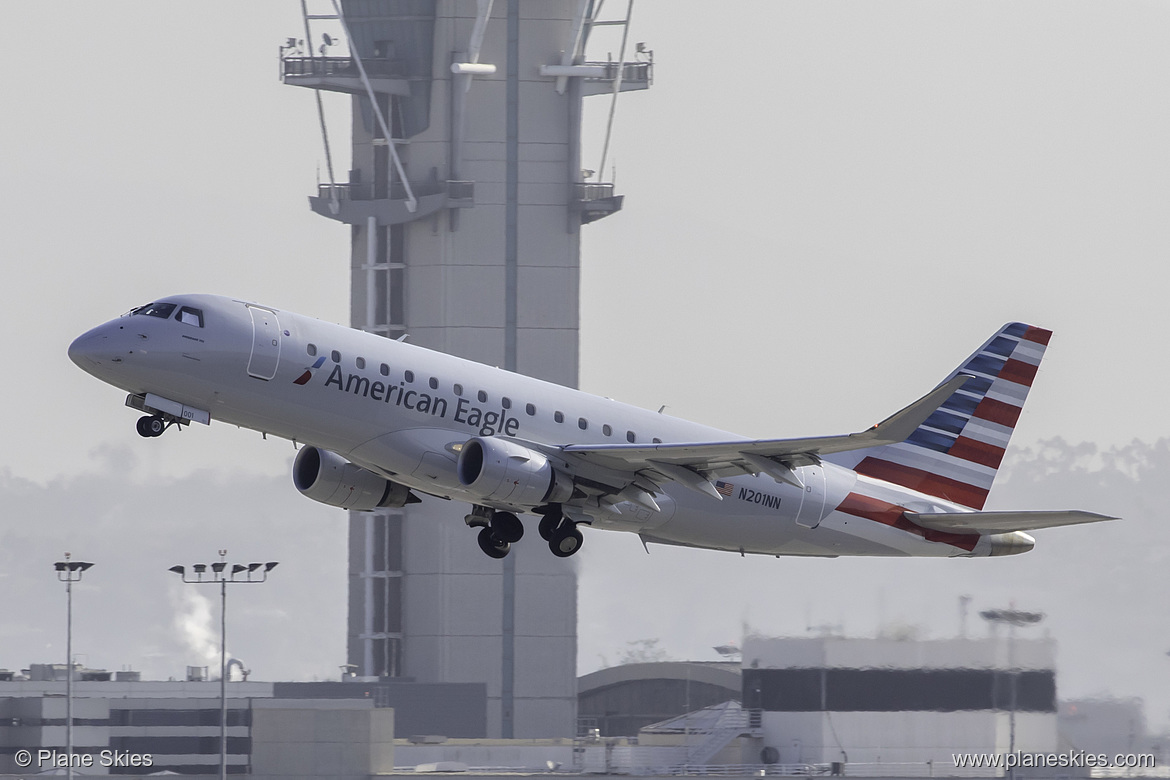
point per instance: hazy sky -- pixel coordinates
(828, 206)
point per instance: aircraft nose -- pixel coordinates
(86, 350)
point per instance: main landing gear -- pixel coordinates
(152, 425)
(560, 532)
(498, 531)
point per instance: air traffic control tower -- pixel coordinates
(465, 202)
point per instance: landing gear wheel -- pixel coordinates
(507, 527)
(492, 545)
(566, 540)
(151, 426)
(548, 525)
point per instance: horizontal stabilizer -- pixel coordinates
(1001, 522)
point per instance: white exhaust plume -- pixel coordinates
(196, 626)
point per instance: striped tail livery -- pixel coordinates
(955, 453)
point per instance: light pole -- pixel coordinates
(220, 575)
(1013, 618)
(69, 572)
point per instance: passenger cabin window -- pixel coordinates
(482, 397)
(530, 408)
(559, 417)
(657, 441)
(360, 362)
(582, 423)
(408, 376)
(458, 389)
(335, 356)
(384, 370)
(605, 429)
(630, 437)
(434, 383)
(506, 402)
(311, 349)
(161, 310)
(189, 316)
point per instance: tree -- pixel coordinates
(643, 651)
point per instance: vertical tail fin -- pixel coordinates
(956, 452)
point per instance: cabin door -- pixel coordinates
(265, 343)
(812, 504)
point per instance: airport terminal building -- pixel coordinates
(864, 707)
(825, 700)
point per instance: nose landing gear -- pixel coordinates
(151, 425)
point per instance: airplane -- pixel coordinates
(379, 422)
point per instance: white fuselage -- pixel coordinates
(403, 412)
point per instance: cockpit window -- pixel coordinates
(162, 310)
(190, 316)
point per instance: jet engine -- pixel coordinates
(498, 470)
(331, 479)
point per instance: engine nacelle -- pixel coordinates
(331, 479)
(498, 470)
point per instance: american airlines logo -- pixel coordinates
(305, 377)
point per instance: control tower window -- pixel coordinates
(161, 310)
(189, 316)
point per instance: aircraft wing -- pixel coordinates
(695, 464)
(1001, 522)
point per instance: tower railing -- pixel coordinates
(339, 66)
(370, 191)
